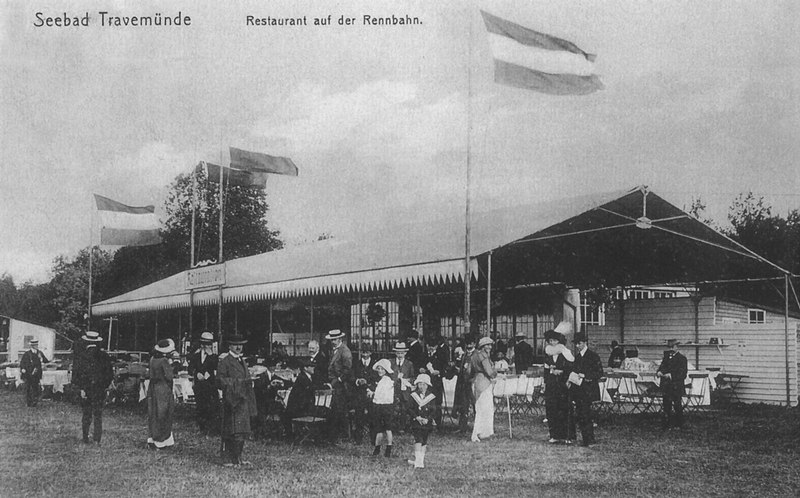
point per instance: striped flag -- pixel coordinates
(527, 59)
(122, 225)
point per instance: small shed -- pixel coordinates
(17, 336)
(735, 337)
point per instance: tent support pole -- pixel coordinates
(786, 338)
(489, 327)
(269, 330)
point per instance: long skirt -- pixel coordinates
(160, 405)
(484, 415)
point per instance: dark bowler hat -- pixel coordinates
(673, 342)
(305, 362)
(579, 337)
(236, 339)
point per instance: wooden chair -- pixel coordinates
(311, 426)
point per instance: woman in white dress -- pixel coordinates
(483, 374)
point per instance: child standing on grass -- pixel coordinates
(421, 412)
(382, 408)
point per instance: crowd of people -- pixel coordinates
(369, 396)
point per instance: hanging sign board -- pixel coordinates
(206, 276)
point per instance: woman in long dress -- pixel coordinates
(160, 401)
(558, 364)
(483, 373)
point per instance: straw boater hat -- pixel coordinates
(92, 336)
(383, 363)
(165, 346)
(400, 347)
(236, 340)
(521, 334)
(335, 334)
(484, 341)
(423, 379)
(206, 338)
(34, 342)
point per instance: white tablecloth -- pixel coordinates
(181, 389)
(694, 386)
(56, 378)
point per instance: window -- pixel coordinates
(593, 315)
(380, 334)
(639, 294)
(663, 294)
(756, 316)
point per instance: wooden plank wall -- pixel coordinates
(756, 350)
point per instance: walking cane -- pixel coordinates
(508, 409)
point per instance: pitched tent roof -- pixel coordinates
(541, 242)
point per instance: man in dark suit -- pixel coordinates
(320, 362)
(584, 385)
(203, 370)
(672, 372)
(366, 378)
(523, 354)
(30, 369)
(403, 375)
(416, 353)
(301, 397)
(92, 373)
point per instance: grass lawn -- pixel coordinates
(744, 451)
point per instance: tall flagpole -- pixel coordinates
(221, 222)
(467, 304)
(91, 257)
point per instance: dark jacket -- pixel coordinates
(523, 356)
(556, 384)
(591, 367)
(616, 358)
(239, 400)
(31, 365)
(301, 397)
(417, 355)
(197, 366)
(340, 368)
(93, 373)
(320, 376)
(675, 364)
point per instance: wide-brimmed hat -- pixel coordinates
(673, 342)
(236, 340)
(579, 337)
(383, 363)
(335, 334)
(563, 327)
(92, 336)
(206, 338)
(423, 379)
(165, 346)
(484, 341)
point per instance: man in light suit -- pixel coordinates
(340, 378)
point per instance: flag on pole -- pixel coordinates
(262, 163)
(527, 59)
(234, 177)
(122, 225)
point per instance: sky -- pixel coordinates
(701, 101)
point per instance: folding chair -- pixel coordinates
(628, 393)
(312, 425)
(695, 399)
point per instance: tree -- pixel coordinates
(246, 233)
(70, 287)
